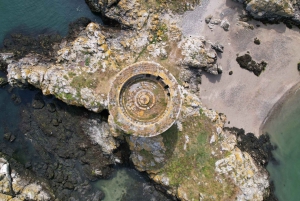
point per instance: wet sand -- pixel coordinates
(245, 98)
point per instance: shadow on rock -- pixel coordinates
(150, 154)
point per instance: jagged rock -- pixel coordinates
(147, 153)
(218, 47)
(12, 184)
(215, 69)
(273, 10)
(126, 12)
(208, 18)
(195, 55)
(3, 81)
(256, 41)
(225, 24)
(99, 132)
(245, 61)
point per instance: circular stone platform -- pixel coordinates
(144, 99)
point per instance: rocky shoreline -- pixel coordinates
(69, 68)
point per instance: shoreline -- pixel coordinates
(278, 106)
(245, 98)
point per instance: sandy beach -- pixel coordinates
(245, 98)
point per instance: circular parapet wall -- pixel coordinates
(144, 99)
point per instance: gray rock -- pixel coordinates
(225, 24)
(213, 70)
(208, 18)
(218, 47)
(3, 81)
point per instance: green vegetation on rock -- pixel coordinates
(84, 80)
(191, 166)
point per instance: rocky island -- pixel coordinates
(162, 70)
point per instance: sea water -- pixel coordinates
(41, 16)
(284, 129)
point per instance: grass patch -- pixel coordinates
(65, 96)
(71, 74)
(87, 61)
(84, 80)
(191, 165)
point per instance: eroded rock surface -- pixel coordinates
(245, 61)
(84, 68)
(194, 160)
(188, 159)
(14, 187)
(274, 10)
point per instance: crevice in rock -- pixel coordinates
(260, 149)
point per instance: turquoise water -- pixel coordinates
(41, 16)
(284, 130)
(122, 183)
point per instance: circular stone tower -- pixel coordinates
(144, 99)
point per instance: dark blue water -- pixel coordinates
(41, 16)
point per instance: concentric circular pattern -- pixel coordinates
(144, 99)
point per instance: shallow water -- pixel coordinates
(123, 182)
(284, 129)
(41, 16)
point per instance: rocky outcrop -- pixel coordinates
(17, 188)
(245, 61)
(273, 10)
(63, 145)
(134, 13)
(84, 68)
(193, 158)
(249, 176)
(99, 132)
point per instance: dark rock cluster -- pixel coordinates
(61, 152)
(245, 61)
(260, 149)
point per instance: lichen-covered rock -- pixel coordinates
(193, 159)
(147, 153)
(134, 13)
(99, 132)
(13, 187)
(251, 179)
(196, 55)
(273, 10)
(85, 67)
